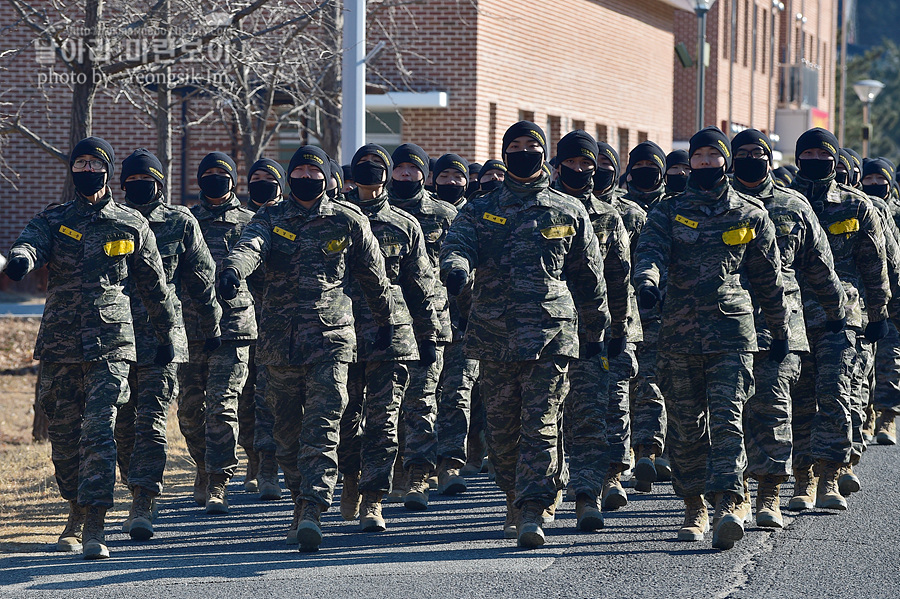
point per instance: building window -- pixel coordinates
(746, 32)
(602, 133)
(726, 21)
(577, 125)
(623, 142)
(642, 137)
(526, 115)
(765, 39)
(554, 132)
(492, 130)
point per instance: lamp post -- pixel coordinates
(701, 7)
(867, 90)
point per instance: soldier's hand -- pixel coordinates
(164, 354)
(212, 344)
(17, 268)
(876, 330)
(649, 296)
(835, 326)
(459, 331)
(455, 281)
(427, 352)
(592, 349)
(615, 347)
(383, 337)
(778, 351)
(228, 284)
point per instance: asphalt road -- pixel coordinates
(456, 549)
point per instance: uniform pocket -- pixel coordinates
(115, 310)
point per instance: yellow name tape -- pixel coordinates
(494, 219)
(70, 233)
(738, 236)
(120, 247)
(286, 234)
(686, 221)
(851, 225)
(558, 232)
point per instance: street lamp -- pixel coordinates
(701, 7)
(867, 90)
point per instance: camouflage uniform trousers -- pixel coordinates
(255, 419)
(307, 402)
(705, 396)
(455, 405)
(522, 402)
(648, 408)
(820, 408)
(862, 390)
(263, 435)
(767, 416)
(419, 410)
(586, 405)
(141, 442)
(887, 372)
(208, 402)
(80, 401)
(623, 369)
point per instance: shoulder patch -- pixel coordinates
(739, 236)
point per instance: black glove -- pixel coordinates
(427, 353)
(591, 349)
(212, 344)
(876, 330)
(455, 281)
(778, 350)
(17, 268)
(615, 347)
(164, 354)
(835, 326)
(649, 296)
(228, 284)
(383, 337)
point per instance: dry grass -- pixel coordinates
(32, 514)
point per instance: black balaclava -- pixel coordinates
(856, 173)
(142, 162)
(216, 186)
(88, 183)
(878, 166)
(708, 178)
(604, 179)
(368, 172)
(521, 161)
(783, 176)
(647, 178)
(451, 193)
(490, 165)
(305, 189)
(845, 159)
(474, 169)
(677, 183)
(576, 144)
(750, 169)
(416, 156)
(262, 192)
(811, 168)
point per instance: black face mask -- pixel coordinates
(751, 170)
(603, 179)
(676, 183)
(263, 191)
(524, 164)
(405, 189)
(879, 191)
(471, 188)
(815, 169)
(573, 179)
(707, 178)
(140, 192)
(215, 186)
(307, 190)
(645, 178)
(367, 172)
(331, 193)
(451, 193)
(841, 177)
(87, 183)
(491, 185)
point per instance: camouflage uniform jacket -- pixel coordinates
(189, 270)
(891, 253)
(708, 241)
(857, 243)
(435, 217)
(222, 226)
(805, 255)
(92, 251)
(411, 276)
(537, 260)
(307, 316)
(615, 253)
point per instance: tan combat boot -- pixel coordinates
(614, 495)
(298, 513)
(350, 498)
(399, 484)
(251, 482)
(549, 515)
(201, 482)
(141, 515)
(804, 490)
(450, 482)
(217, 494)
(94, 541)
(886, 428)
(745, 507)
(70, 539)
(868, 430)
(309, 530)
(531, 534)
(696, 520)
(511, 525)
(728, 526)
(848, 482)
(645, 469)
(663, 468)
(269, 489)
(416, 497)
(768, 503)
(587, 512)
(827, 494)
(370, 518)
